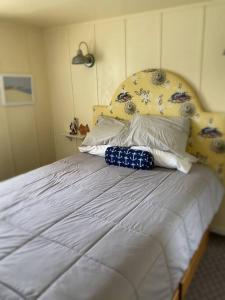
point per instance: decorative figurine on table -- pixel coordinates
(84, 129)
(74, 126)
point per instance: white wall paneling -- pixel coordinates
(25, 135)
(7, 166)
(143, 42)
(59, 75)
(213, 72)
(110, 56)
(182, 42)
(13, 38)
(42, 111)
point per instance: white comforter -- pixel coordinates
(81, 230)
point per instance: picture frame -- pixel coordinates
(16, 89)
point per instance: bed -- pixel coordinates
(68, 236)
(81, 229)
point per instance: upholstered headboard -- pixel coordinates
(161, 92)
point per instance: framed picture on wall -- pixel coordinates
(16, 89)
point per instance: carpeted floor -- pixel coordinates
(209, 280)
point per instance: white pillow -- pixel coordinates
(170, 160)
(161, 158)
(163, 133)
(106, 129)
(98, 150)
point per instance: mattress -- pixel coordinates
(79, 229)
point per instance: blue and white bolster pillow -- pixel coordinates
(130, 158)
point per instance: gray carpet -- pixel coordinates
(209, 280)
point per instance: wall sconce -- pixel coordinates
(80, 59)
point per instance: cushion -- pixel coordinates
(105, 129)
(161, 158)
(162, 133)
(130, 158)
(170, 160)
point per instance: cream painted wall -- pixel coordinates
(188, 40)
(26, 137)
(213, 69)
(143, 42)
(110, 54)
(182, 35)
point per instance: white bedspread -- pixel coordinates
(81, 230)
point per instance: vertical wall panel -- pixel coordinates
(143, 42)
(13, 49)
(6, 158)
(83, 78)
(23, 133)
(17, 61)
(110, 55)
(42, 112)
(213, 72)
(182, 42)
(59, 74)
(21, 120)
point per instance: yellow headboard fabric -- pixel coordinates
(161, 92)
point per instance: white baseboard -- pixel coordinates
(217, 230)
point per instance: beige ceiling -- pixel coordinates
(56, 12)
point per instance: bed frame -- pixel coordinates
(162, 92)
(188, 275)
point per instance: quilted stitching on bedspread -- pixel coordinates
(77, 233)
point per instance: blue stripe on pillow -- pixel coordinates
(130, 158)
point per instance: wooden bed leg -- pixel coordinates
(180, 292)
